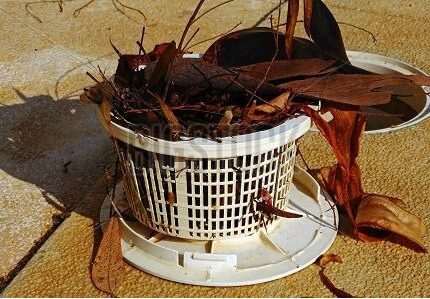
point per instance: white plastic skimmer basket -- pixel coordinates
(202, 189)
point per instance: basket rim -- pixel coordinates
(232, 146)
(228, 147)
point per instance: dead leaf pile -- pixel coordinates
(254, 79)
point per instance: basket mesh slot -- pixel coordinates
(209, 198)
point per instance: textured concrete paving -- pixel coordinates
(36, 141)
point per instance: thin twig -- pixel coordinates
(360, 28)
(349, 24)
(141, 41)
(144, 51)
(190, 22)
(214, 37)
(78, 11)
(115, 48)
(276, 39)
(191, 38)
(268, 14)
(210, 9)
(131, 8)
(92, 77)
(28, 4)
(60, 5)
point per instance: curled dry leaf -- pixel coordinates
(266, 206)
(105, 109)
(323, 262)
(128, 64)
(174, 124)
(386, 214)
(162, 68)
(343, 134)
(225, 121)
(257, 45)
(343, 181)
(322, 27)
(307, 15)
(278, 103)
(266, 111)
(327, 259)
(330, 285)
(108, 269)
(99, 93)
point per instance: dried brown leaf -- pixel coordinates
(162, 68)
(307, 15)
(174, 124)
(193, 73)
(328, 258)
(108, 269)
(355, 89)
(286, 69)
(343, 133)
(225, 121)
(280, 103)
(245, 47)
(330, 285)
(385, 214)
(105, 109)
(256, 45)
(343, 180)
(265, 111)
(266, 206)
(322, 27)
(98, 93)
(126, 72)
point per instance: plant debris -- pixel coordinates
(108, 269)
(323, 262)
(257, 78)
(387, 214)
(118, 5)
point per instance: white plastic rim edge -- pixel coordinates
(397, 66)
(234, 146)
(163, 261)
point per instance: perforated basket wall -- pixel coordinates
(205, 198)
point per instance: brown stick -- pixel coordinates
(276, 38)
(190, 22)
(191, 38)
(212, 38)
(210, 9)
